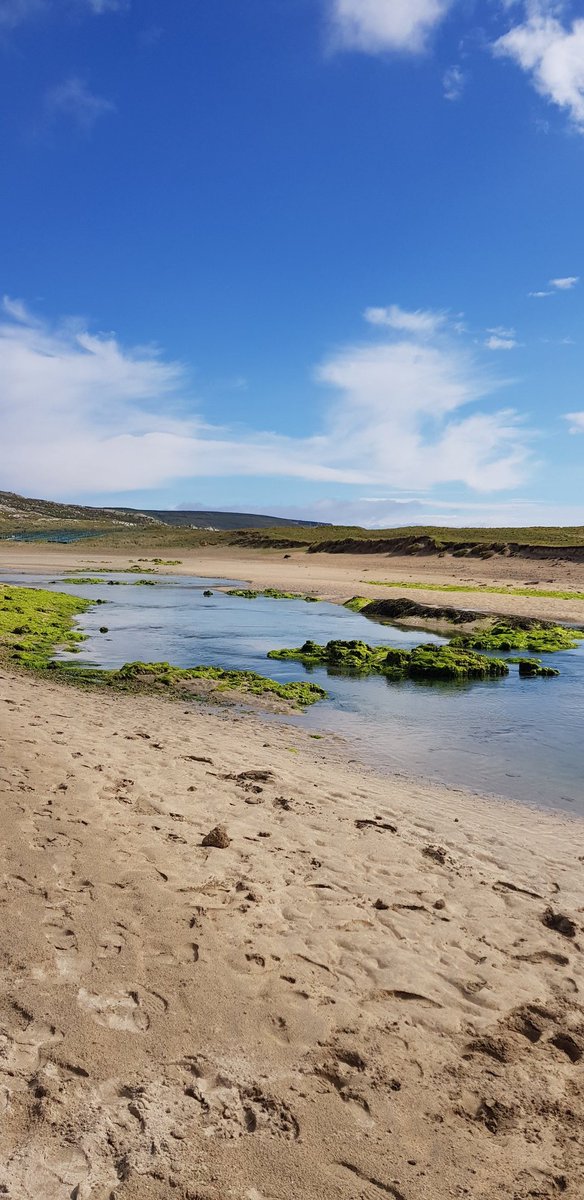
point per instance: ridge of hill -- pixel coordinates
(15, 508)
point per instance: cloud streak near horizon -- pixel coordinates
(82, 413)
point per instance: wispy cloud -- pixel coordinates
(576, 420)
(14, 12)
(80, 413)
(453, 83)
(552, 54)
(500, 338)
(568, 281)
(564, 284)
(422, 322)
(72, 100)
(378, 26)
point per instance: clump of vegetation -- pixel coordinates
(271, 594)
(534, 636)
(357, 603)
(427, 661)
(164, 677)
(531, 668)
(33, 622)
(84, 580)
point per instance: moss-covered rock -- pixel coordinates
(427, 661)
(536, 637)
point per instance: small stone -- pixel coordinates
(439, 904)
(217, 837)
(381, 906)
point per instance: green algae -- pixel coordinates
(427, 661)
(535, 637)
(34, 622)
(357, 603)
(164, 677)
(531, 668)
(465, 587)
(84, 580)
(272, 594)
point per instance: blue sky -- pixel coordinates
(316, 257)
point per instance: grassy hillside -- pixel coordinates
(166, 531)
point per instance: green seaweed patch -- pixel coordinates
(536, 638)
(531, 668)
(84, 580)
(357, 603)
(34, 622)
(272, 594)
(164, 677)
(427, 661)
(478, 589)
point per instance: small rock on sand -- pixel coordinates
(217, 837)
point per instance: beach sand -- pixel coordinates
(358, 997)
(374, 989)
(337, 577)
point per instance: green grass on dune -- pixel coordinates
(475, 588)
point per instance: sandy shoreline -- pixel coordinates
(358, 997)
(338, 577)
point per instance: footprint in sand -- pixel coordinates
(57, 1172)
(21, 1050)
(119, 1009)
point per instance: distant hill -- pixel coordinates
(14, 508)
(223, 520)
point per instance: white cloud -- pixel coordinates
(421, 322)
(552, 54)
(576, 420)
(80, 414)
(378, 26)
(453, 83)
(392, 512)
(566, 283)
(73, 100)
(501, 338)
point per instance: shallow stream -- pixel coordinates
(518, 738)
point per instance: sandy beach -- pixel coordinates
(337, 577)
(364, 987)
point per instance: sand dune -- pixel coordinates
(369, 992)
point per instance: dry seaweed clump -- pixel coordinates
(34, 622)
(427, 661)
